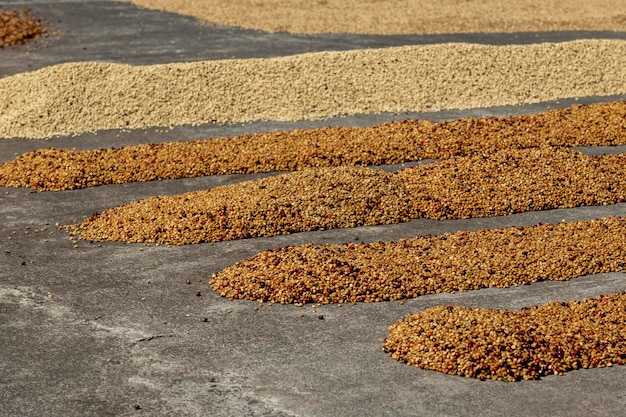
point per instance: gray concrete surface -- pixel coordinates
(115, 330)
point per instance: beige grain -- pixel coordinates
(80, 97)
(403, 16)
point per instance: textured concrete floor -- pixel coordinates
(116, 330)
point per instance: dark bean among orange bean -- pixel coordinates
(324, 198)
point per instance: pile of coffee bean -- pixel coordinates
(16, 27)
(514, 181)
(460, 261)
(79, 97)
(317, 199)
(401, 16)
(388, 143)
(323, 198)
(513, 345)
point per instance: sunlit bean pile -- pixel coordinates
(459, 261)
(513, 345)
(324, 198)
(514, 181)
(17, 28)
(80, 97)
(401, 16)
(388, 143)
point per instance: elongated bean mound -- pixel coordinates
(318, 199)
(400, 16)
(324, 198)
(17, 28)
(514, 181)
(74, 98)
(513, 345)
(459, 261)
(388, 143)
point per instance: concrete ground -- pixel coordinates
(117, 330)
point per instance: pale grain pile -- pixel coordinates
(402, 16)
(460, 261)
(513, 345)
(387, 143)
(17, 28)
(322, 198)
(73, 98)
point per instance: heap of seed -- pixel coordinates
(324, 198)
(17, 28)
(388, 143)
(401, 16)
(514, 181)
(513, 345)
(460, 261)
(79, 97)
